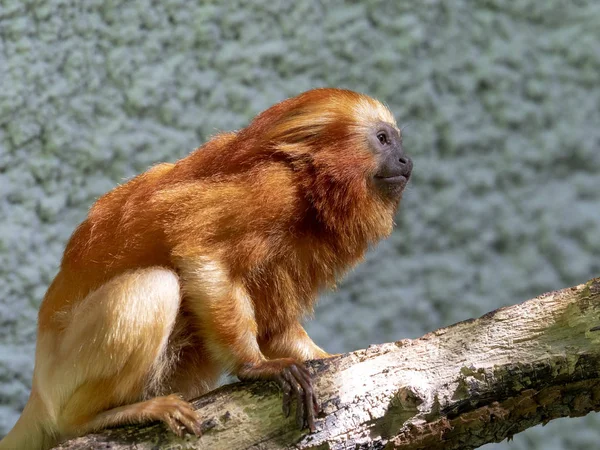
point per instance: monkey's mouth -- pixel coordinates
(393, 179)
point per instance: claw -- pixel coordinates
(294, 379)
(178, 415)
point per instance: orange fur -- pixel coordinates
(206, 265)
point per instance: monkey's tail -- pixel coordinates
(30, 432)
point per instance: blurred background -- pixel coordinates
(500, 100)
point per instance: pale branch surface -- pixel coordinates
(460, 387)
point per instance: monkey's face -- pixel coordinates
(394, 166)
(346, 145)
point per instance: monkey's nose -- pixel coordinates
(405, 165)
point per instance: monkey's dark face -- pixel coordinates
(394, 167)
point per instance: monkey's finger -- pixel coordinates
(308, 378)
(316, 404)
(308, 400)
(313, 401)
(184, 414)
(302, 378)
(304, 372)
(299, 394)
(190, 420)
(286, 390)
(173, 425)
(305, 382)
(301, 371)
(300, 409)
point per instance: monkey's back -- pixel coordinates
(139, 224)
(115, 237)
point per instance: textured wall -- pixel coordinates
(501, 101)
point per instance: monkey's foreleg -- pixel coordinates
(228, 327)
(176, 413)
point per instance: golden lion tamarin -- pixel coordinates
(208, 265)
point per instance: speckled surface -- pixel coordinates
(502, 108)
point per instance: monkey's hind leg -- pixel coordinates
(173, 410)
(113, 354)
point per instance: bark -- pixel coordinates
(460, 387)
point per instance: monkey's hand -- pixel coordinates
(294, 379)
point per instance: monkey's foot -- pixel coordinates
(295, 381)
(175, 412)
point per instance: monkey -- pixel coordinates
(208, 265)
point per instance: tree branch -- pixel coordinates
(459, 387)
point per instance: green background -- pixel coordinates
(502, 108)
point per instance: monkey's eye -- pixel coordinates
(383, 138)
